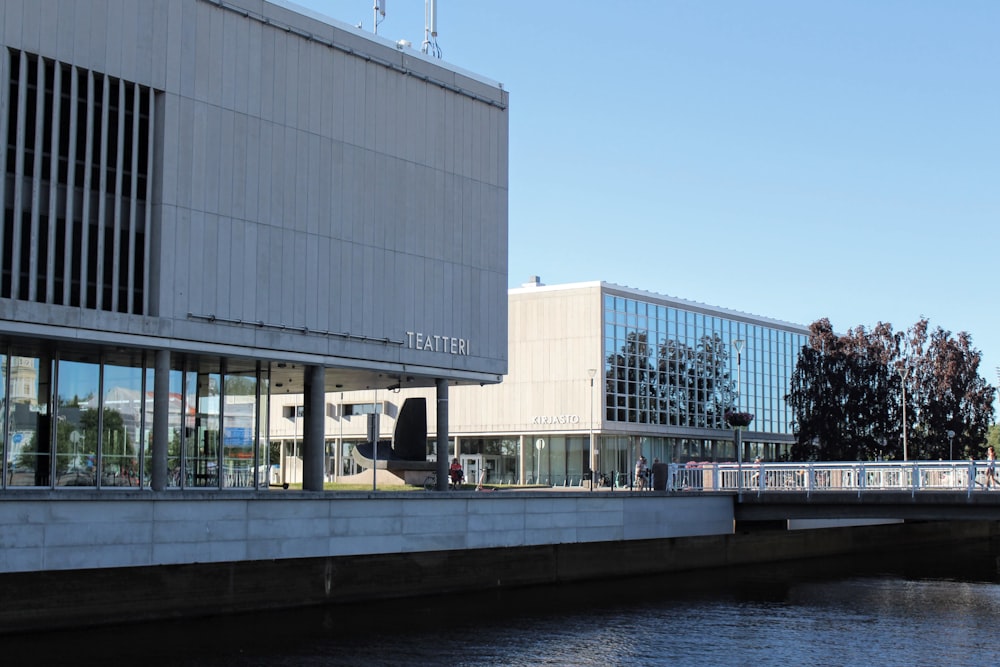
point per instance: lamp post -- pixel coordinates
(904, 372)
(593, 452)
(951, 448)
(738, 345)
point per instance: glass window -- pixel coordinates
(28, 459)
(77, 424)
(202, 432)
(239, 432)
(120, 425)
(4, 440)
(178, 409)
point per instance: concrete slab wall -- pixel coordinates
(75, 598)
(81, 532)
(317, 191)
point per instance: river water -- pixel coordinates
(916, 607)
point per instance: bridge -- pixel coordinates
(912, 490)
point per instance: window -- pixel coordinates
(351, 409)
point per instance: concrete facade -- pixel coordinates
(602, 374)
(250, 196)
(167, 529)
(316, 191)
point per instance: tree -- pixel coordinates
(992, 438)
(847, 393)
(948, 392)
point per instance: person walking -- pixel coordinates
(640, 473)
(456, 473)
(991, 467)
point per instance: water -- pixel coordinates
(915, 607)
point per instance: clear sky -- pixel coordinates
(791, 159)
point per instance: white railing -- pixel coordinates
(812, 477)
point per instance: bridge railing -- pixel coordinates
(823, 476)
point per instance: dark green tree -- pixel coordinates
(948, 393)
(847, 393)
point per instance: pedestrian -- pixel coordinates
(456, 473)
(640, 473)
(991, 467)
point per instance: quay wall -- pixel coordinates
(74, 561)
(86, 530)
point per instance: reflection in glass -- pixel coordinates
(4, 440)
(121, 426)
(177, 423)
(238, 435)
(202, 432)
(28, 460)
(678, 369)
(147, 432)
(76, 423)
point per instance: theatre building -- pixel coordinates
(599, 375)
(210, 204)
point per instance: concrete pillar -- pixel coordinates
(522, 457)
(442, 434)
(313, 435)
(161, 421)
(338, 456)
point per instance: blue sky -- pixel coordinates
(790, 159)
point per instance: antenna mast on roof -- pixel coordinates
(430, 45)
(378, 9)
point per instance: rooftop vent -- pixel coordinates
(533, 281)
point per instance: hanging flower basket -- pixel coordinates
(737, 419)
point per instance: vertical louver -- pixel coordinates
(75, 192)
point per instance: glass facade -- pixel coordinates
(671, 366)
(83, 420)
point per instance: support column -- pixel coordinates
(522, 459)
(313, 435)
(161, 421)
(442, 434)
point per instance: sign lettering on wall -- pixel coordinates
(417, 340)
(555, 419)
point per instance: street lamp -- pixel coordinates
(904, 372)
(951, 449)
(738, 346)
(593, 453)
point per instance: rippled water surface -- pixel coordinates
(920, 607)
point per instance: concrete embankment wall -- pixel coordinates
(304, 550)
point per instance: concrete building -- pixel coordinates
(209, 204)
(634, 373)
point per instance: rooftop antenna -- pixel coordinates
(430, 45)
(378, 9)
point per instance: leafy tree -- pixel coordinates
(948, 392)
(992, 438)
(847, 393)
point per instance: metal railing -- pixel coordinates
(817, 477)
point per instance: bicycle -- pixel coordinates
(430, 483)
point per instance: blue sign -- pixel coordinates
(234, 436)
